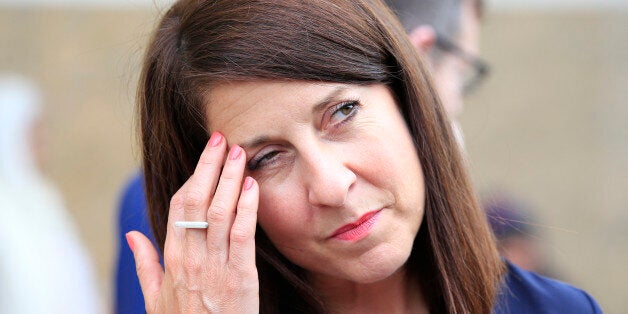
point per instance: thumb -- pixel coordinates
(149, 271)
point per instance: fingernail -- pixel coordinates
(235, 152)
(248, 183)
(130, 242)
(215, 139)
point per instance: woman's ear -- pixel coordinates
(423, 38)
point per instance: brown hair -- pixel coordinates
(198, 43)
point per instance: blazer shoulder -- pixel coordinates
(526, 292)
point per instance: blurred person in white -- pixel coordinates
(44, 267)
(448, 33)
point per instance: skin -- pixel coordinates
(449, 73)
(320, 160)
(454, 70)
(210, 270)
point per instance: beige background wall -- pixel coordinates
(549, 125)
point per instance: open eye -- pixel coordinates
(342, 112)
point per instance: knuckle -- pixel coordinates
(234, 285)
(240, 235)
(177, 200)
(206, 159)
(211, 305)
(229, 175)
(217, 212)
(178, 283)
(193, 199)
(245, 210)
(192, 266)
(240, 282)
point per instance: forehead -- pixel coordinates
(235, 108)
(237, 98)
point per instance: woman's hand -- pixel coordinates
(209, 270)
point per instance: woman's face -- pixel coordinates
(341, 186)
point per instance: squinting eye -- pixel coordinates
(261, 161)
(343, 112)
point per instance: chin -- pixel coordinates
(379, 264)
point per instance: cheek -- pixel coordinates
(401, 171)
(281, 212)
(393, 150)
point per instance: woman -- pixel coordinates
(338, 151)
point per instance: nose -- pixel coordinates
(328, 177)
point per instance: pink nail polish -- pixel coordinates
(130, 242)
(248, 183)
(235, 152)
(215, 139)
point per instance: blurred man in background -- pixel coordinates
(447, 32)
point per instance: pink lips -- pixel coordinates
(357, 230)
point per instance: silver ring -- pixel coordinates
(191, 224)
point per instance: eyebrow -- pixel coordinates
(255, 142)
(318, 107)
(334, 94)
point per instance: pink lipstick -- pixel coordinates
(358, 229)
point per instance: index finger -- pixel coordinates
(200, 188)
(191, 201)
